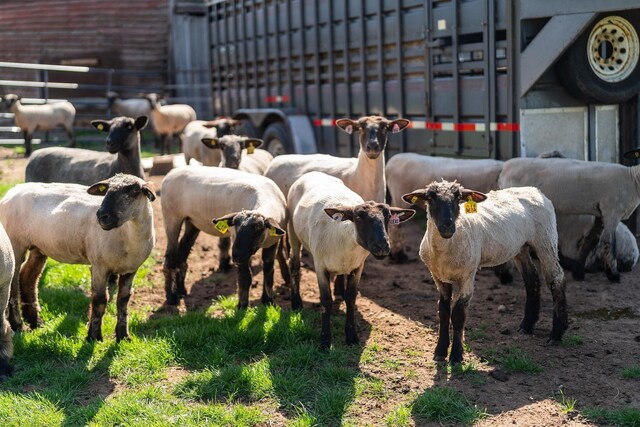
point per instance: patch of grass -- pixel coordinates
(371, 387)
(391, 364)
(572, 341)
(478, 333)
(142, 360)
(468, 370)
(399, 417)
(6, 186)
(567, 404)
(446, 405)
(42, 412)
(624, 417)
(517, 360)
(632, 372)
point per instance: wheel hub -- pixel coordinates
(613, 49)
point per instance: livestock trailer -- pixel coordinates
(478, 78)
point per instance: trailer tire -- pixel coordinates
(603, 64)
(247, 128)
(276, 139)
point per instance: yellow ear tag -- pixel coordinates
(102, 188)
(250, 148)
(100, 126)
(414, 199)
(272, 232)
(222, 226)
(470, 206)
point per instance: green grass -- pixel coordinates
(446, 405)
(624, 417)
(6, 186)
(572, 341)
(399, 417)
(517, 360)
(567, 404)
(632, 372)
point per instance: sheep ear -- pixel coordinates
(223, 223)
(141, 122)
(99, 188)
(252, 141)
(415, 196)
(149, 191)
(210, 143)
(401, 214)
(476, 196)
(399, 125)
(633, 154)
(347, 125)
(340, 213)
(274, 229)
(101, 125)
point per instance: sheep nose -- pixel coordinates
(105, 218)
(380, 250)
(373, 146)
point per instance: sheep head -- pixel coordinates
(371, 221)
(443, 200)
(373, 132)
(123, 132)
(231, 147)
(224, 126)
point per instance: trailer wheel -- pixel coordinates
(248, 129)
(603, 65)
(276, 139)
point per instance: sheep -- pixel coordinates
(79, 166)
(508, 224)
(7, 267)
(581, 187)
(31, 118)
(239, 152)
(573, 229)
(114, 234)
(195, 131)
(169, 120)
(132, 107)
(213, 200)
(339, 229)
(482, 174)
(364, 174)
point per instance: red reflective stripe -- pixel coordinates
(277, 98)
(433, 126)
(509, 127)
(464, 127)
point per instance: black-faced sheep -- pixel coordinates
(506, 225)
(339, 229)
(79, 166)
(195, 131)
(240, 152)
(67, 222)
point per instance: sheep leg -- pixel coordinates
(244, 283)
(268, 261)
(458, 318)
(27, 143)
(282, 263)
(532, 285)
(15, 318)
(397, 240)
(444, 312)
(180, 142)
(124, 293)
(6, 335)
(184, 248)
(610, 252)
(170, 265)
(164, 144)
(586, 245)
(224, 243)
(29, 275)
(324, 283)
(503, 272)
(339, 284)
(554, 276)
(353, 279)
(99, 298)
(72, 138)
(294, 267)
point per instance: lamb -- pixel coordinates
(195, 131)
(30, 118)
(169, 120)
(79, 166)
(339, 229)
(508, 224)
(114, 234)
(240, 152)
(364, 174)
(481, 174)
(7, 267)
(132, 107)
(580, 187)
(213, 200)
(573, 229)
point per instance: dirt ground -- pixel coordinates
(397, 307)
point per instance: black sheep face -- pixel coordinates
(123, 132)
(373, 132)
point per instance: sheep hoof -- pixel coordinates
(6, 370)
(243, 305)
(123, 338)
(352, 338)
(553, 342)
(35, 323)
(296, 302)
(440, 357)
(613, 277)
(525, 329)
(399, 257)
(91, 338)
(266, 300)
(325, 345)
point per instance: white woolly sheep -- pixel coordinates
(132, 107)
(506, 225)
(169, 120)
(481, 174)
(339, 229)
(195, 131)
(114, 234)
(581, 187)
(240, 152)
(79, 166)
(7, 267)
(574, 229)
(31, 118)
(364, 174)
(250, 204)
